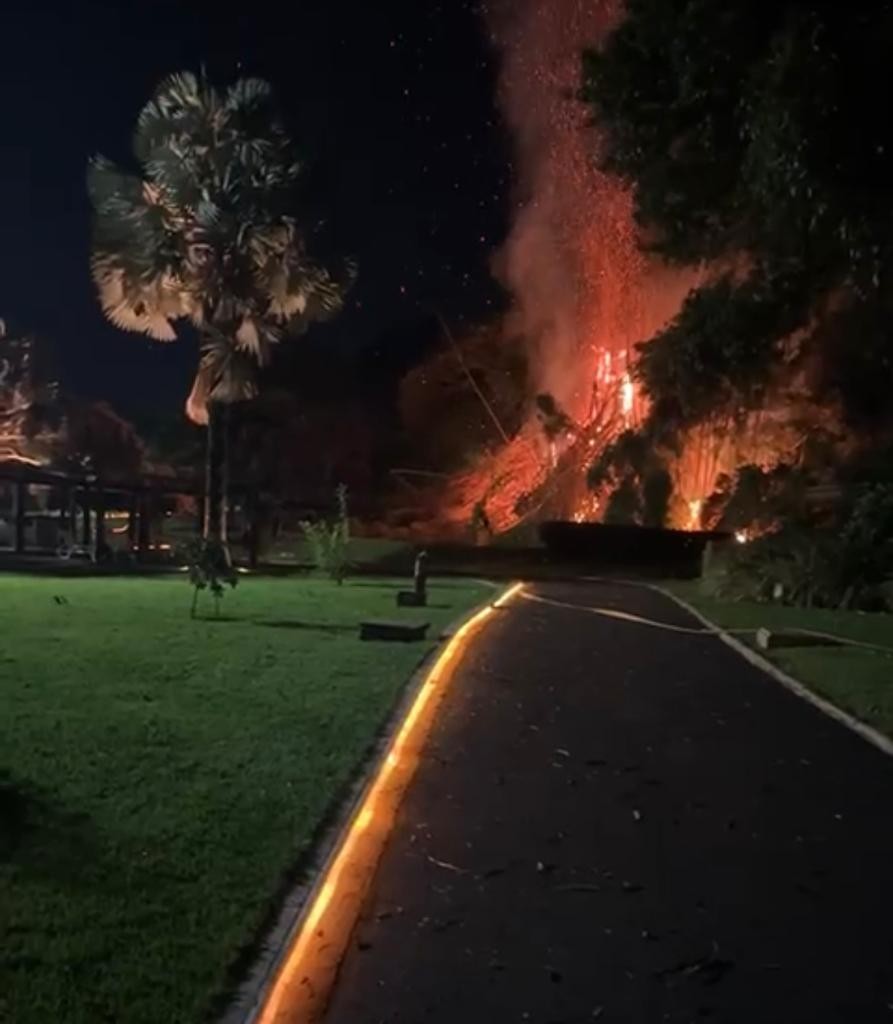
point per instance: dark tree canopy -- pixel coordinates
(451, 403)
(754, 138)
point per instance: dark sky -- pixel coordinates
(392, 102)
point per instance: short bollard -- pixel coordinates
(418, 597)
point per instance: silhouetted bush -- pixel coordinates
(330, 540)
(604, 545)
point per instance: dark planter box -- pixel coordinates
(602, 546)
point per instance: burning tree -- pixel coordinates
(583, 290)
(747, 151)
(541, 471)
(725, 157)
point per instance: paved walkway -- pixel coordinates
(617, 823)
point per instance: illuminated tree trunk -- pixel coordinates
(224, 472)
(216, 473)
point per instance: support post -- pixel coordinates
(86, 531)
(64, 509)
(212, 526)
(21, 497)
(145, 526)
(72, 516)
(133, 513)
(100, 520)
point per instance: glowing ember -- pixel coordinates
(588, 511)
(24, 439)
(584, 294)
(628, 396)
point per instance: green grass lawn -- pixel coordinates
(857, 680)
(160, 778)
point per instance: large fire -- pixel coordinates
(584, 292)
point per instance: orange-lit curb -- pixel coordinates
(302, 984)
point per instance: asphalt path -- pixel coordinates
(616, 822)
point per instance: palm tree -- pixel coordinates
(203, 234)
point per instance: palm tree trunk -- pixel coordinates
(225, 431)
(215, 521)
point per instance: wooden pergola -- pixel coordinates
(94, 495)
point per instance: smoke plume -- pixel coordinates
(583, 291)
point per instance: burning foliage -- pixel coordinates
(584, 291)
(28, 394)
(700, 259)
(762, 169)
(40, 426)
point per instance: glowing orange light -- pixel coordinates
(512, 591)
(308, 969)
(627, 396)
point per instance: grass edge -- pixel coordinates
(794, 686)
(243, 1002)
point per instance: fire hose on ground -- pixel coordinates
(613, 613)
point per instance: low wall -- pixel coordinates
(647, 550)
(567, 550)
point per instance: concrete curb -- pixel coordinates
(869, 734)
(250, 997)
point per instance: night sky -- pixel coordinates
(392, 104)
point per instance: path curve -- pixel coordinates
(618, 823)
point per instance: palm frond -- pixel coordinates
(177, 169)
(225, 374)
(324, 294)
(106, 182)
(231, 371)
(135, 259)
(183, 106)
(146, 309)
(197, 402)
(205, 234)
(247, 337)
(253, 117)
(249, 94)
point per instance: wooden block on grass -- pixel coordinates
(393, 630)
(767, 640)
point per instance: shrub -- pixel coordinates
(866, 548)
(210, 568)
(847, 566)
(329, 540)
(793, 566)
